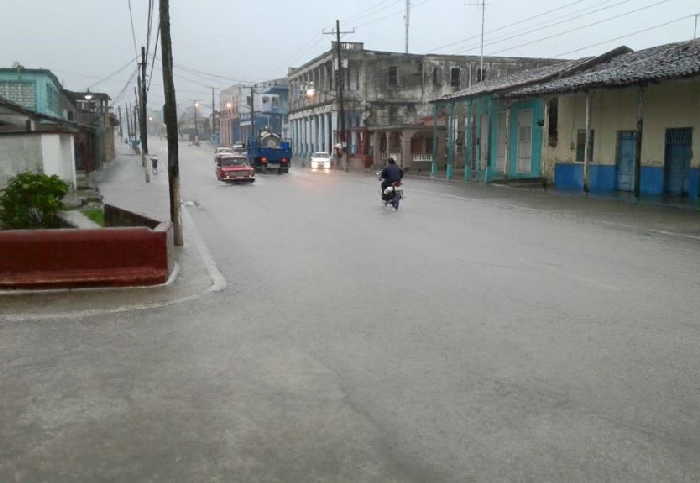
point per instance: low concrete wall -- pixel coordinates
(109, 257)
(115, 216)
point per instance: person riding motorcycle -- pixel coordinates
(390, 175)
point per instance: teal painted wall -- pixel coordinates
(43, 83)
(537, 108)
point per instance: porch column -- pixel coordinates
(376, 148)
(450, 143)
(322, 132)
(406, 154)
(433, 165)
(387, 136)
(587, 147)
(638, 153)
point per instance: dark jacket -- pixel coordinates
(392, 173)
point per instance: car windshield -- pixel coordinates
(322, 155)
(234, 162)
(223, 150)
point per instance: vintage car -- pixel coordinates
(234, 168)
(320, 160)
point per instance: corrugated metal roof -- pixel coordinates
(664, 62)
(532, 76)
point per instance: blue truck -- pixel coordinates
(268, 152)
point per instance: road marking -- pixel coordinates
(217, 278)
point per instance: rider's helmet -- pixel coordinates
(391, 161)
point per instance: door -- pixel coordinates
(525, 141)
(677, 161)
(484, 142)
(501, 149)
(626, 153)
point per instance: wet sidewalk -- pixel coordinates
(122, 183)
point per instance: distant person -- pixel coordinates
(391, 174)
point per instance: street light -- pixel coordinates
(229, 106)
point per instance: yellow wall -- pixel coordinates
(671, 104)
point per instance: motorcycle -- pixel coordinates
(393, 194)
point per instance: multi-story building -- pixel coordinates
(271, 105)
(386, 100)
(36, 89)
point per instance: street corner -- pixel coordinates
(191, 277)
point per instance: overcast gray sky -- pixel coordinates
(83, 41)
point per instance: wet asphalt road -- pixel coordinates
(474, 335)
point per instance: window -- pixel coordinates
(437, 81)
(553, 121)
(393, 76)
(275, 102)
(480, 74)
(393, 112)
(356, 79)
(249, 100)
(581, 143)
(455, 74)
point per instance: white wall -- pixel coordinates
(57, 156)
(19, 153)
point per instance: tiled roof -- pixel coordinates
(532, 76)
(669, 61)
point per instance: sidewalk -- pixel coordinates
(122, 184)
(646, 216)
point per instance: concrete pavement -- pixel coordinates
(475, 335)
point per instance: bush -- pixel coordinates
(32, 200)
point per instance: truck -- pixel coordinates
(268, 151)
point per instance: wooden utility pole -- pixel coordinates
(121, 133)
(170, 115)
(252, 114)
(408, 22)
(144, 103)
(142, 129)
(339, 85)
(128, 123)
(587, 154)
(213, 117)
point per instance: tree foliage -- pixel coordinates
(32, 200)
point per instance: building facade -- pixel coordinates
(271, 106)
(36, 89)
(387, 110)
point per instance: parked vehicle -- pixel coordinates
(269, 152)
(321, 160)
(233, 168)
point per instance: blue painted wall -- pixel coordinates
(694, 183)
(602, 178)
(652, 180)
(568, 176)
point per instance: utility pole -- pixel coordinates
(144, 102)
(142, 127)
(121, 133)
(252, 113)
(128, 123)
(408, 21)
(213, 116)
(340, 87)
(170, 118)
(483, 23)
(196, 128)
(695, 30)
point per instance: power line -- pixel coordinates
(133, 32)
(116, 72)
(153, 62)
(508, 25)
(636, 32)
(550, 25)
(559, 34)
(126, 86)
(149, 27)
(373, 10)
(209, 74)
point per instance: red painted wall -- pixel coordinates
(85, 258)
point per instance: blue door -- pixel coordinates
(626, 152)
(677, 162)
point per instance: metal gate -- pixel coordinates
(677, 161)
(626, 153)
